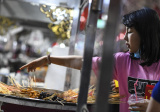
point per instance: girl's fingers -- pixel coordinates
(113, 85)
(112, 82)
(113, 89)
(138, 104)
(23, 67)
(133, 109)
(31, 67)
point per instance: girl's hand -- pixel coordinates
(113, 86)
(35, 63)
(142, 107)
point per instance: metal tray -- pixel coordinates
(33, 102)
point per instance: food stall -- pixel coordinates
(103, 87)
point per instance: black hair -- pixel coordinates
(146, 22)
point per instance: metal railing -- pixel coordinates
(104, 78)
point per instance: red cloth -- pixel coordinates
(148, 91)
(83, 18)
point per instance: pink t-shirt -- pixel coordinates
(126, 67)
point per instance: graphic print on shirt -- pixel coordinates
(141, 85)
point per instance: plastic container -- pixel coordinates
(18, 77)
(132, 100)
(25, 79)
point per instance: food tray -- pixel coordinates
(33, 102)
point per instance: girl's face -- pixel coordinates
(132, 39)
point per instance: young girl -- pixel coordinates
(140, 62)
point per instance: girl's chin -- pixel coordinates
(132, 51)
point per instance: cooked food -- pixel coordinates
(66, 96)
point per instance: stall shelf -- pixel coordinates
(61, 3)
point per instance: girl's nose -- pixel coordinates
(125, 37)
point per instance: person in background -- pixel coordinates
(141, 61)
(154, 104)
